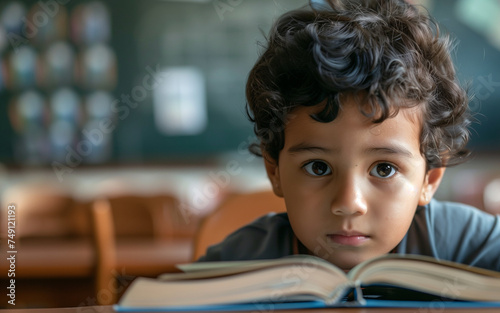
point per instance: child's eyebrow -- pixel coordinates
(304, 147)
(390, 149)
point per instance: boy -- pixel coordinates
(358, 113)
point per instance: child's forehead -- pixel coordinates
(351, 115)
(352, 135)
(412, 110)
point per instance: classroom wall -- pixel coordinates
(209, 46)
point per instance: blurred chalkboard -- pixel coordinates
(474, 26)
(219, 39)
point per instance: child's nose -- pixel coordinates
(348, 199)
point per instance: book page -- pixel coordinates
(200, 270)
(273, 284)
(426, 274)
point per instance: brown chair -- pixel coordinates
(53, 243)
(137, 237)
(236, 211)
(53, 231)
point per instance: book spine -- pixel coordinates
(339, 293)
(358, 293)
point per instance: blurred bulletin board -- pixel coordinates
(59, 72)
(203, 48)
(145, 59)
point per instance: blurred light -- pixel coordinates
(62, 133)
(91, 23)
(33, 148)
(65, 106)
(59, 64)
(46, 24)
(98, 105)
(99, 67)
(31, 109)
(482, 16)
(98, 141)
(11, 17)
(492, 197)
(179, 101)
(23, 67)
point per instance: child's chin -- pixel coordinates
(346, 262)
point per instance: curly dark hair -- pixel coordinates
(381, 49)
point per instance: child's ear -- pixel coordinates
(431, 183)
(273, 173)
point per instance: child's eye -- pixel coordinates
(317, 168)
(383, 170)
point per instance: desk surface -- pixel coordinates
(109, 309)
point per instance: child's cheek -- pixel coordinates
(410, 188)
(403, 185)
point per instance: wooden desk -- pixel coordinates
(53, 259)
(63, 274)
(109, 309)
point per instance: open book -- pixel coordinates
(303, 281)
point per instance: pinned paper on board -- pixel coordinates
(179, 101)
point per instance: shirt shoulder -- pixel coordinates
(268, 237)
(456, 232)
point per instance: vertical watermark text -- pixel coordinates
(11, 253)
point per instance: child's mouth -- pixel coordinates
(348, 239)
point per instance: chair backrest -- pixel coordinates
(53, 240)
(137, 216)
(236, 211)
(125, 219)
(46, 211)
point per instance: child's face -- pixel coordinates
(351, 187)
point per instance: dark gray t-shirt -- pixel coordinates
(443, 230)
